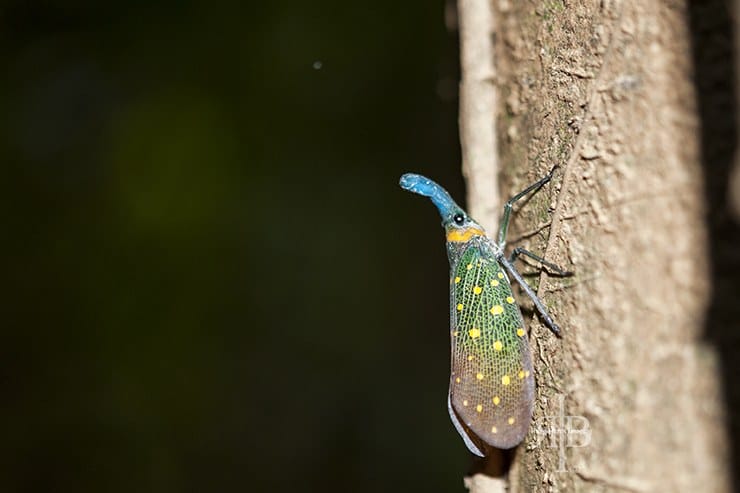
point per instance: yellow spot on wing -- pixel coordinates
(509, 299)
(465, 402)
(470, 266)
(457, 380)
(500, 275)
(459, 307)
(479, 376)
(477, 290)
(496, 400)
(521, 375)
(497, 346)
(520, 332)
(526, 373)
(511, 420)
(457, 279)
(474, 333)
(494, 282)
(479, 408)
(505, 380)
(494, 429)
(470, 357)
(497, 309)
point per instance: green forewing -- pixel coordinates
(491, 383)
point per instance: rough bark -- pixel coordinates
(606, 89)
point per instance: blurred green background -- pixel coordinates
(214, 282)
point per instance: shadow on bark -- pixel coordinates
(713, 52)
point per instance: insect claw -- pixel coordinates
(554, 328)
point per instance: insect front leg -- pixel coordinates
(534, 187)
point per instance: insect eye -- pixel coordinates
(458, 218)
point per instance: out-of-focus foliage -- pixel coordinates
(214, 282)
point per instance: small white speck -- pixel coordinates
(317, 65)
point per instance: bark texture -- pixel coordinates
(607, 89)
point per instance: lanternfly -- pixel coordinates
(491, 383)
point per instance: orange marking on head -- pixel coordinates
(463, 235)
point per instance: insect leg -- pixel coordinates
(508, 206)
(537, 302)
(521, 251)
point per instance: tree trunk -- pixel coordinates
(633, 397)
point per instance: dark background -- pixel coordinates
(213, 280)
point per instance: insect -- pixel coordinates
(491, 391)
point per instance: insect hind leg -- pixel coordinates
(528, 290)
